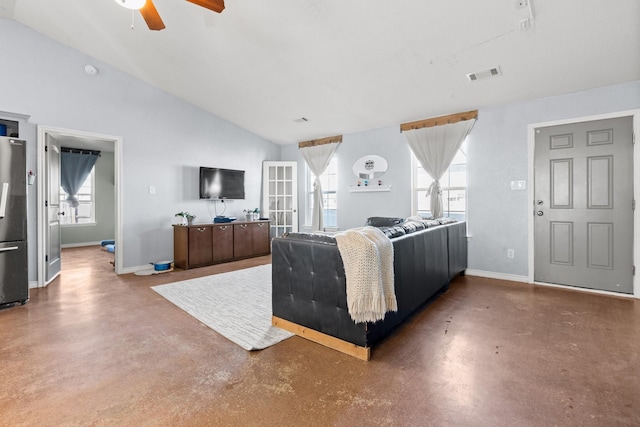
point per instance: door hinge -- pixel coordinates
(46, 148)
(46, 203)
(633, 205)
(46, 258)
(633, 270)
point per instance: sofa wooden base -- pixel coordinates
(362, 353)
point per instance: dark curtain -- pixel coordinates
(74, 170)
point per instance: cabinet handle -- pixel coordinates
(202, 229)
(243, 225)
(223, 227)
(260, 225)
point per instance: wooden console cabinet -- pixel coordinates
(205, 244)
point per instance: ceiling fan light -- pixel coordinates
(131, 4)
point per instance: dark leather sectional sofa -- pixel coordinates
(309, 285)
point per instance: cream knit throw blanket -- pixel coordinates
(367, 255)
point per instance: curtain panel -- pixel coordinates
(435, 147)
(74, 170)
(317, 158)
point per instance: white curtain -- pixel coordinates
(435, 147)
(318, 158)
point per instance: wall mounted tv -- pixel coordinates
(218, 183)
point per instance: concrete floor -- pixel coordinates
(97, 349)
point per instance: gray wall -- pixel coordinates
(165, 140)
(355, 208)
(497, 155)
(104, 228)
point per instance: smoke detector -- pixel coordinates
(484, 74)
(90, 70)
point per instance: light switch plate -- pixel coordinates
(518, 185)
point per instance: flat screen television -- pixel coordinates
(216, 183)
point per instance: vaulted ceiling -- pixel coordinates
(351, 65)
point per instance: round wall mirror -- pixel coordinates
(370, 167)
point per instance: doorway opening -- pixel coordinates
(49, 206)
(556, 249)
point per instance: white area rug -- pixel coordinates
(237, 305)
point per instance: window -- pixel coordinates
(329, 182)
(84, 213)
(453, 185)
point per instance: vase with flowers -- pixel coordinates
(187, 218)
(251, 214)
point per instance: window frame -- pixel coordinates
(332, 169)
(415, 190)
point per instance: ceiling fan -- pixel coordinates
(152, 17)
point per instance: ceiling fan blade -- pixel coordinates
(215, 5)
(151, 16)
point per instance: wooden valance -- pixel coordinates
(321, 141)
(439, 121)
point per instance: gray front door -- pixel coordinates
(52, 238)
(583, 205)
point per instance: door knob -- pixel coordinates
(539, 213)
(60, 213)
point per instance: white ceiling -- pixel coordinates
(351, 65)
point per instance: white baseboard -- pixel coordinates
(33, 285)
(79, 245)
(590, 291)
(128, 270)
(525, 279)
(499, 276)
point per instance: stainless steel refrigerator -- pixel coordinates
(14, 279)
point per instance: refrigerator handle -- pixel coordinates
(11, 248)
(3, 198)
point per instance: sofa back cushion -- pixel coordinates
(382, 221)
(312, 237)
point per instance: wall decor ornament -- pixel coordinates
(370, 167)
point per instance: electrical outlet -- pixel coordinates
(525, 24)
(510, 253)
(521, 4)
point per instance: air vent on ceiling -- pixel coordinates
(301, 120)
(485, 74)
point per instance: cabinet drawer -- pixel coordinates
(222, 243)
(260, 235)
(242, 241)
(200, 246)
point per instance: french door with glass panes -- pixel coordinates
(280, 196)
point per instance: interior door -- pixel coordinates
(280, 196)
(584, 205)
(52, 238)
